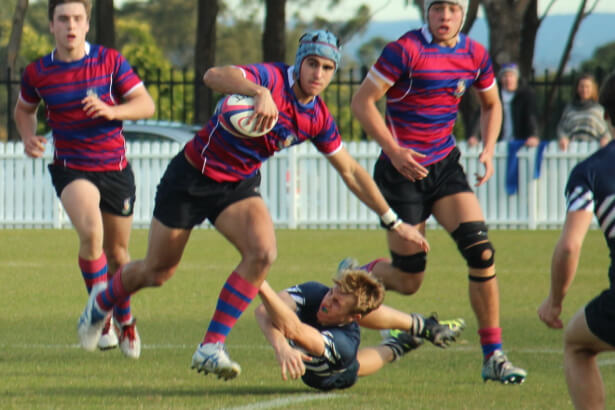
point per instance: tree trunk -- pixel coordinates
(529, 30)
(274, 36)
(470, 16)
(12, 52)
(204, 58)
(12, 49)
(505, 20)
(104, 20)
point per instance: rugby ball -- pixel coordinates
(236, 116)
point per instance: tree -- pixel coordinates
(12, 50)
(602, 61)
(204, 57)
(274, 35)
(173, 25)
(368, 52)
(104, 22)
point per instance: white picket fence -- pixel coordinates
(301, 189)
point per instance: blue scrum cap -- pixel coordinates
(509, 67)
(320, 43)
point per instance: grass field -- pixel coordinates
(42, 293)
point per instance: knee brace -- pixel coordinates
(474, 245)
(410, 263)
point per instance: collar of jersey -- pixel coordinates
(87, 51)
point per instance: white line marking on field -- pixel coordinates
(169, 346)
(271, 404)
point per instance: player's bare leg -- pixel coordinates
(120, 328)
(583, 376)
(394, 278)
(460, 214)
(248, 226)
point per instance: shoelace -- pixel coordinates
(107, 326)
(128, 331)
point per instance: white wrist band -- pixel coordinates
(389, 217)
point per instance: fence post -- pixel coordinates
(532, 193)
(293, 203)
(9, 99)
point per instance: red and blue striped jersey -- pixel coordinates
(427, 82)
(81, 142)
(222, 156)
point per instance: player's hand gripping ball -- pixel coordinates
(236, 116)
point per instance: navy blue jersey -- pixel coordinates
(591, 187)
(338, 366)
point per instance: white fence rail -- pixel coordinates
(301, 189)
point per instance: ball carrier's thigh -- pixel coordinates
(247, 224)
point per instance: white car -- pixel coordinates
(148, 130)
(151, 130)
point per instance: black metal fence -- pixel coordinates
(174, 94)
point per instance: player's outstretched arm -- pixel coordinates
(564, 264)
(290, 359)
(358, 180)
(280, 309)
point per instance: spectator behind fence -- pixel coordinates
(583, 117)
(520, 116)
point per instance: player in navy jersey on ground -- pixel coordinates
(216, 177)
(88, 90)
(423, 75)
(590, 191)
(314, 329)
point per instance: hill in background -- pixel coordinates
(552, 37)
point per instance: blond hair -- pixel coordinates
(366, 288)
(55, 3)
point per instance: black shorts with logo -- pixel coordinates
(117, 188)
(185, 197)
(600, 316)
(413, 201)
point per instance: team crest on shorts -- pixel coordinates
(126, 207)
(461, 88)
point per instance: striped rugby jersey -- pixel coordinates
(224, 157)
(591, 188)
(82, 142)
(341, 342)
(426, 83)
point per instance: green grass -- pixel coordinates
(42, 295)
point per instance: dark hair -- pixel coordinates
(54, 3)
(607, 96)
(585, 76)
